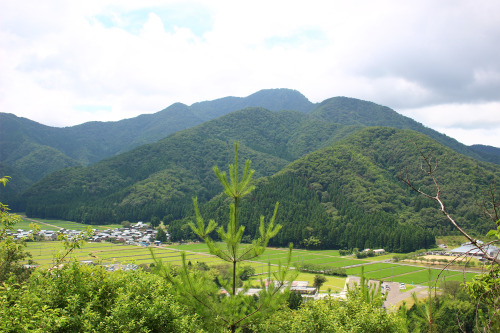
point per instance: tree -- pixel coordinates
(424, 315)
(294, 300)
(161, 235)
(311, 242)
(12, 251)
(319, 280)
(155, 221)
(86, 298)
(199, 290)
(485, 288)
(334, 315)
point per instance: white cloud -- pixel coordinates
(469, 123)
(138, 57)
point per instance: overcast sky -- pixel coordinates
(67, 62)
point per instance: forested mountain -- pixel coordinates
(140, 182)
(15, 187)
(488, 153)
(36, 150)
(351, 111)
(340, 183)
(271, 99)
(349, 195)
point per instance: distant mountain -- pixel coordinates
(183, 159)
(351, 111)
(271, 99)
(36, 150)
(487, 153)
(340, 186)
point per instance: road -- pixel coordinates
(395, 294)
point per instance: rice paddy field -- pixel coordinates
(107, 253)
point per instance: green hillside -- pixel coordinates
(349, 195)
(335, 183)
(150, 179)
(351, 111)
(36, 150)
(487, 153)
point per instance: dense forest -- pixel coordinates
(337, 179)
(36, 150)
(316, 219)
(334, 197)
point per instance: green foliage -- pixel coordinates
(451, 310)
(233, 309)
(370, 293)
(345, 252)
(294, 300)
(311, 243)
(246, 272)
(322, 269)
(161, 235)
(319, 280)
(366, 254)
(155, 221)
(80, 298)
(12, 251)
(334, 315)
(484, 291)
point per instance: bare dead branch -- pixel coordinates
(429, 167)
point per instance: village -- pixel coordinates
(139, 233)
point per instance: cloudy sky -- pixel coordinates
(67, 62)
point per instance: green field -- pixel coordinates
(106, 253)
(48, 224)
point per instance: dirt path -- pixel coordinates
(40, 222)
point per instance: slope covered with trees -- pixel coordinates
(349, 195)
(346, 195)
(37, 150)
(350, 174)
(351, 111)
(27, 145)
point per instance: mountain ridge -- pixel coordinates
(36, 150)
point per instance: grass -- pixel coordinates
(335, 283)
(381, 257)
(44, 253)
(451, 241)
(24, 224)
(48, 224)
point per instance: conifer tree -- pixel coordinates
(234, 309)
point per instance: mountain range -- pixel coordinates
(332, 165)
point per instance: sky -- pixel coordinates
(65, 62)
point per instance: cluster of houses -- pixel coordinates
(24, 234)
(138, 234)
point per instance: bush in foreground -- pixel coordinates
(89, 299)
